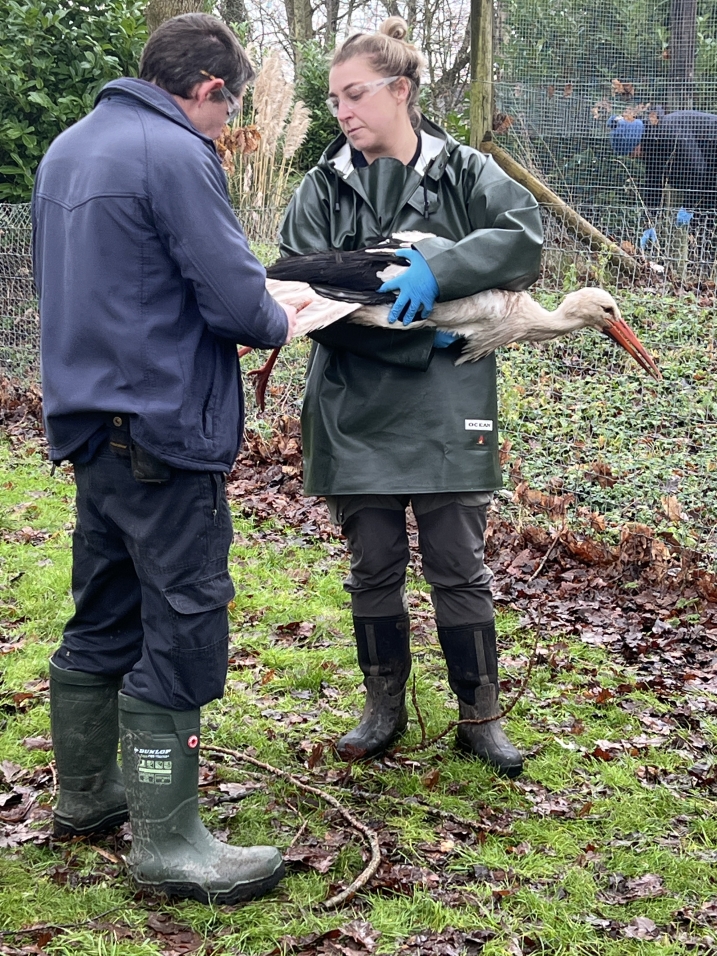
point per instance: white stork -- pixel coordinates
(336, 284)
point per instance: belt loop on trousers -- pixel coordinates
(119, 439)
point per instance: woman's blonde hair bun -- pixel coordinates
(394, 27)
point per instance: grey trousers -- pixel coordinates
(451, 530)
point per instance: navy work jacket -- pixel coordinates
(146, 283)
(681, 149)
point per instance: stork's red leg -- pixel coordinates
(262, 378)
(245, 350)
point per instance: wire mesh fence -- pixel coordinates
(612, 105)
(567, 262)
(19, 318)
(578, 419)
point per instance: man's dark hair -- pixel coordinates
(181, 51)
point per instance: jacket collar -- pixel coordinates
(152, 96)
(436, 146)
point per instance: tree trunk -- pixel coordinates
(448, 88)
(233, 11)
(683, 45)
(481, 69)
(392, 8)
(157, 11)
(332, 22)
(298, 15)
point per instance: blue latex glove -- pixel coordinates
(441, 340)
(683, 216)
(649, 235)
(417, 288)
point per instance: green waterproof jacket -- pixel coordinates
(384, 412)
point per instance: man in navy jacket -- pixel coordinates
(146, 285)
(678, 149)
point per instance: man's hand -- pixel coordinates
(291, 314)
(417, 288)
(648, 236)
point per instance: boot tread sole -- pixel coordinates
(194, 891)
(113, 820)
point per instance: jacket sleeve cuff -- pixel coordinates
(269, 334)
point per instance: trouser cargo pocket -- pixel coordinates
(200, 638)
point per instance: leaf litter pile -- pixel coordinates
(635, 708)
(652, 604)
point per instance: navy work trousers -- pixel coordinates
(150, 582)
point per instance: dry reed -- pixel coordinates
(258, 156)
(296, 130)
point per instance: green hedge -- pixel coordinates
(54, 57)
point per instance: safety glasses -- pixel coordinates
(357, 92)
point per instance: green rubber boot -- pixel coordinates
(85, 734)
(384, 656)
(172, 850)
(472, 656)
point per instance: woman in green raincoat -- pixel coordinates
(388, 419)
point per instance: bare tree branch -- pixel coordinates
(370, 835)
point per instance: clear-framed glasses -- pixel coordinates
(233, 104)
(354, 94)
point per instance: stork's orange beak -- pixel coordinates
(619, 331)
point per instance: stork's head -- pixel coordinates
(597, 309)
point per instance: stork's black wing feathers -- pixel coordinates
(353, 295)
(341, 275)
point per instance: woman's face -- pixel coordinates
(370, 118)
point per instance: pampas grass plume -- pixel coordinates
(269, 77)
(280, 105)
(259, 179)
(297, 129)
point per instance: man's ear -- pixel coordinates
(204, 90)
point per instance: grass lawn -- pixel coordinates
(608, 842)
(606, 845)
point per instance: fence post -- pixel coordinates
(683, 48)
(481, 116)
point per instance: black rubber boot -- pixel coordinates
(85, 734)
(472, 659)
(172, 850)
(384, 656)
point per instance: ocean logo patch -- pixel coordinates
(479, 425)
